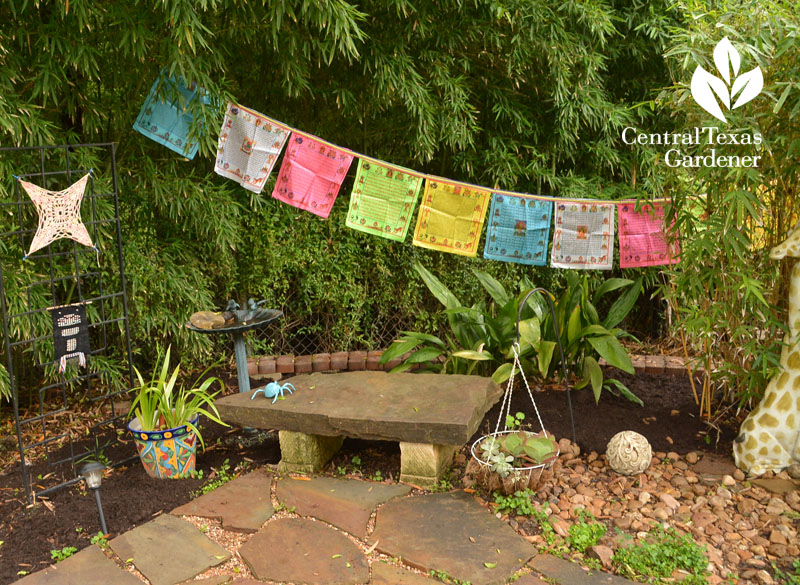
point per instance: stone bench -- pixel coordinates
(430, 415)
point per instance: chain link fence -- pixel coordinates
(280, 337)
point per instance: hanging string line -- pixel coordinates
(428, 177)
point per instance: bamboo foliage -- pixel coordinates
(730, 297)
(526, 95)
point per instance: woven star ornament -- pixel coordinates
(59, 214)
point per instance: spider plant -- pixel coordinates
(161, 403)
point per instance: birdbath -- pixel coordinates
(238, 328)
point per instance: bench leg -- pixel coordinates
(423, 464)
(304, 453)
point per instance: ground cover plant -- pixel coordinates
(792, 578)
(660, 555)
(654, 559)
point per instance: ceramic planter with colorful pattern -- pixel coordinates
(166, 453)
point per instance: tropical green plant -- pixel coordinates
(584, 335)
(481, 338)
(161, 403)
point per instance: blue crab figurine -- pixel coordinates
(274, 390)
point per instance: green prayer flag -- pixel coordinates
(383, 199)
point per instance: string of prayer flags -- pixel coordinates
(642, 237)
(519, 230)
(311, 175)
(583, 235)
(451, 217)
(383, 200)
(59, 214)
(167, 122)
(70, 334)
(248, 147)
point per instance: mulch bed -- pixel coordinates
(669, 418)
(130, 498)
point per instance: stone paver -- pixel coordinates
(169, 550)
(714, 465)
(302, 551)
(386, 574)
(567, 573)
(88, 566)
(417, 408)
(530, 579)
(345, 503)
(451, 533)
(242, 504)
(216, 580)
(777, 485)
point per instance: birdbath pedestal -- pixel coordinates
(237, 329)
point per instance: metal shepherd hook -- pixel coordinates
(560, 348)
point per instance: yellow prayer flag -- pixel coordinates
(451, 217)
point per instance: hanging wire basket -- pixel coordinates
(509, 460)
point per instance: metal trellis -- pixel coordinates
(63, 273)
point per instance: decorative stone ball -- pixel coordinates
(628, 452)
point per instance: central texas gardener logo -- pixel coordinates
(707, 88)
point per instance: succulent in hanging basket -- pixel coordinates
(517, 450)
(512, 460)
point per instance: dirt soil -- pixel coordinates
(130, 498)
(669, 418)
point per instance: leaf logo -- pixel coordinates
(709, 91)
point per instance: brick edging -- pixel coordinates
(660, 364)
(368, 360)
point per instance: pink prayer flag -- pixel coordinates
(311, 175)
(642, 238)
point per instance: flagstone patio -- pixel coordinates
(325, 531)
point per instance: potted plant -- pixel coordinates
(164, 420)
(513, 460)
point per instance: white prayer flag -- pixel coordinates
(249, 145)
(583, 235)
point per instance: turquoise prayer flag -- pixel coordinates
(519, 230)
(167, 120)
